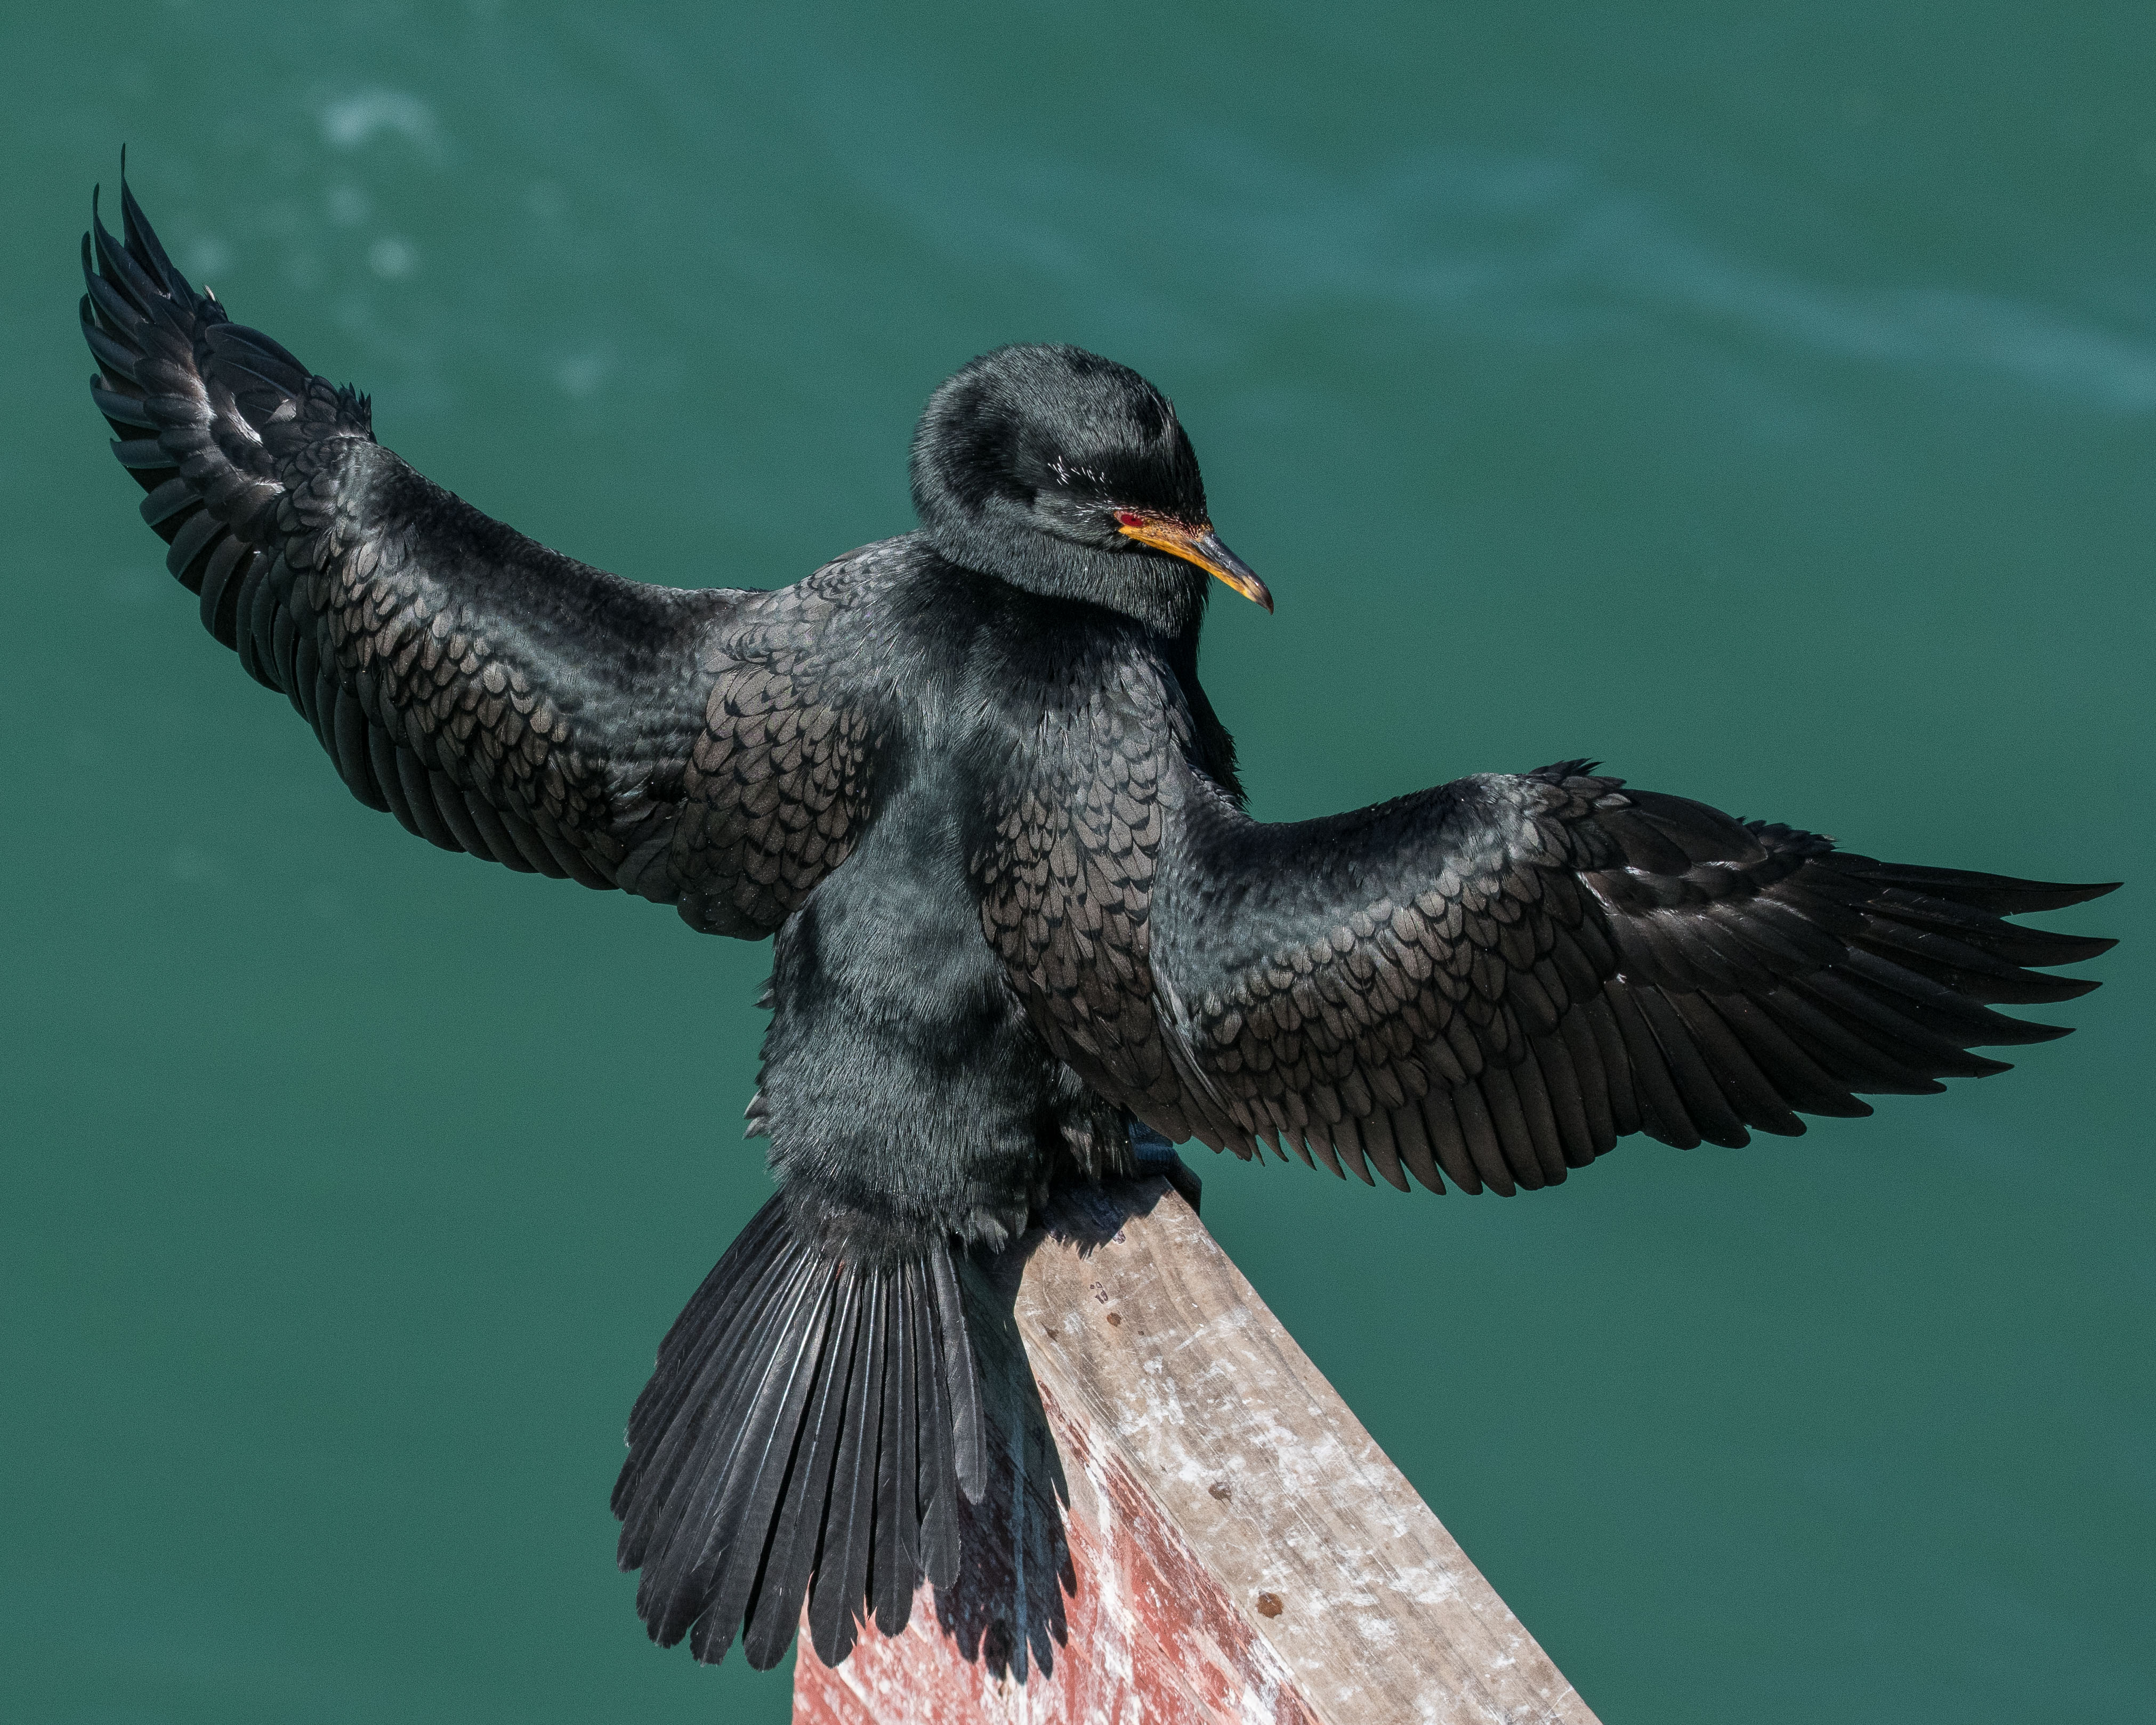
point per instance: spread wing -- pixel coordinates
(708, 749)
(1492, 981)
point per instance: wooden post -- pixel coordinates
(1186, 1526)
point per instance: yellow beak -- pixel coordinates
(1200, 545)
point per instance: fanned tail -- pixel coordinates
(811, 1419)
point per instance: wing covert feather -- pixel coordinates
(1527, 967)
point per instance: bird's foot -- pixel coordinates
(1154, 1155)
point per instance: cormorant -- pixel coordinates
(967, 780)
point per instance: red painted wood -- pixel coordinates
(1184, 1525)
(1145, 1633)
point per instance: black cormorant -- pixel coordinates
(967, 780)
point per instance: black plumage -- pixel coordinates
(967, 780)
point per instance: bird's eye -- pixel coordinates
(1128, 518)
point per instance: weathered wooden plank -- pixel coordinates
(1186, 1523)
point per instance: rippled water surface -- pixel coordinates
(1765, 404)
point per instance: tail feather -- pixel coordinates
(748, 1259)
(744, 1281)
(684, 1531)
(895, 1563)
(811, 1421)
(669, 1424)
(938, 1543)
(968, 1434)
(841, 1583)
(737, 1536)
(803, 1499)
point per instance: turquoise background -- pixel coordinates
(1761, 399)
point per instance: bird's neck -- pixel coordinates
(1166, 595)
(1216, 748)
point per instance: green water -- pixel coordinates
(1765, 403)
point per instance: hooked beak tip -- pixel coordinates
(1231, 571)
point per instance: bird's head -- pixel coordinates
(1067, 474)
